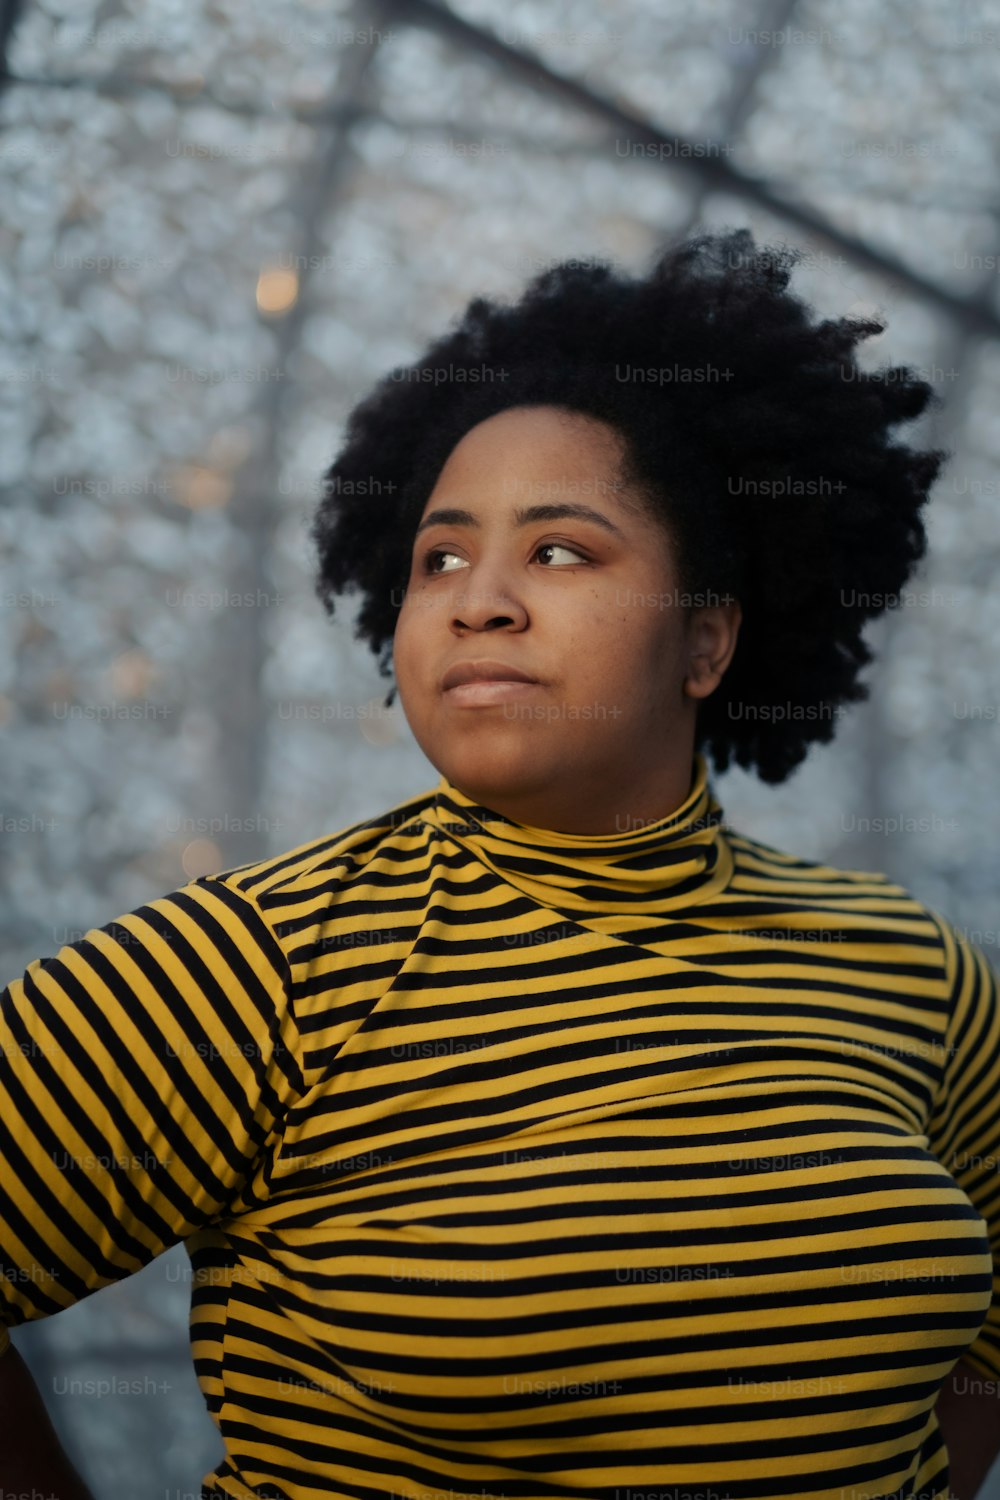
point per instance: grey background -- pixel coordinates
(172, 698)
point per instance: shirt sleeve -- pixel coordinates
(964, 1129)
(142, 1070)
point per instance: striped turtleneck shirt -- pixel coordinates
(514, 1163)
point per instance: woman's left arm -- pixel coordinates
(964, 1135)
(968, 1413)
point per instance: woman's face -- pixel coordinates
(588, 605)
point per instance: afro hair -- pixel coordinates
(750, 433)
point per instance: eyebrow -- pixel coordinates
(523, 516)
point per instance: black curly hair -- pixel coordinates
(749, 432)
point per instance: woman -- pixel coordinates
(545, 1136)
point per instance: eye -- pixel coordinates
(560, 547)
(431, 556)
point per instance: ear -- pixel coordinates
(712, 636)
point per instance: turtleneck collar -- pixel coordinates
(648, 871)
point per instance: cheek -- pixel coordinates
(403, 650)
(414, 655)
(635, 642)
(408, 622)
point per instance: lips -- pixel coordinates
(482, 671)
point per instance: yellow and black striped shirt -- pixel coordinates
(522, 1164)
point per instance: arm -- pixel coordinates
(964, 1134)
(33, 1459)
(143, 1072)
(969, 1418)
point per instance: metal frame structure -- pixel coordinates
(314, 195)
(713, 171)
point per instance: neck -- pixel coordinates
(625, 878)
(593, 806)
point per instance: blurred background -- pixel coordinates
(221, 221)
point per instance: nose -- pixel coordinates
(486, 605)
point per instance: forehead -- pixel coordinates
(540, 464)
(537, 451)
(536, 434)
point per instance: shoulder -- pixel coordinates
(869, 904)
(347, 890)
(342, 853)
(756, 860)
(964, 958)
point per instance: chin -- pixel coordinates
(494, 770)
